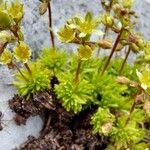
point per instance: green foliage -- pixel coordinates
(54, 60)
(74, 96)
(123, 137)
(102, 121)
(106, 87)
(29, 84)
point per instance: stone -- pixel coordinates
(36, 32)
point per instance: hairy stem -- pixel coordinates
(106, 27)
(131, 111)
(112, 51)
(76, 79)
(123, 64)
(2, 47)
(20, 72)
(105, 33)
(28, 68)
(14, 30)
(50, 25)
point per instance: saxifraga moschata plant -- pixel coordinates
(119, 91)
(31, 77)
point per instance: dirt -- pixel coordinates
(65, 132)
(61, 130)
(1, 116)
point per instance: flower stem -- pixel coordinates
(123, 64)
(28, 68)
(106, 27)
(2, 47)
(112, 51)
(131, 111)
(14, 30)
(105, 33)
(76, 79)
(20, 72)
(50, 25)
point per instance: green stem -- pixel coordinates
(123, 64)
(76, 79)
(50, 25)
(112, 51)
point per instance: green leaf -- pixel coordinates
(66, 34)
(88, 17)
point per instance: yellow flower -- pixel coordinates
(147, 51)
(22, 52)
(84, 52)
(5, 20)
(144, 77)
(16, 11)
(128, 3)
(66, 34)
(6, 57)
(88, 25)
(6, 36)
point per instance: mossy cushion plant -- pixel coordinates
(119, 91)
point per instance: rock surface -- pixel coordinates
(36, 34)
(13, 135)
(36, 27)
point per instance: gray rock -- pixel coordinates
(35, 28)
(13, 135)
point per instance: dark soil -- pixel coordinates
(61, 130)
(1, 116)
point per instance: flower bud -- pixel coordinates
(6, 57)
(43, 8)
(84, 52)
(123, 80)
(139, 99)
(107, 20)
(128, 3)
(140, 43)
(147, 107)
(117, 8)
(106, 128)
(16, 11)
(105, 44)
(134, 48)
(6, 36)
(119, 46)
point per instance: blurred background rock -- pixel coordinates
(36, 32)
(35, 26)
